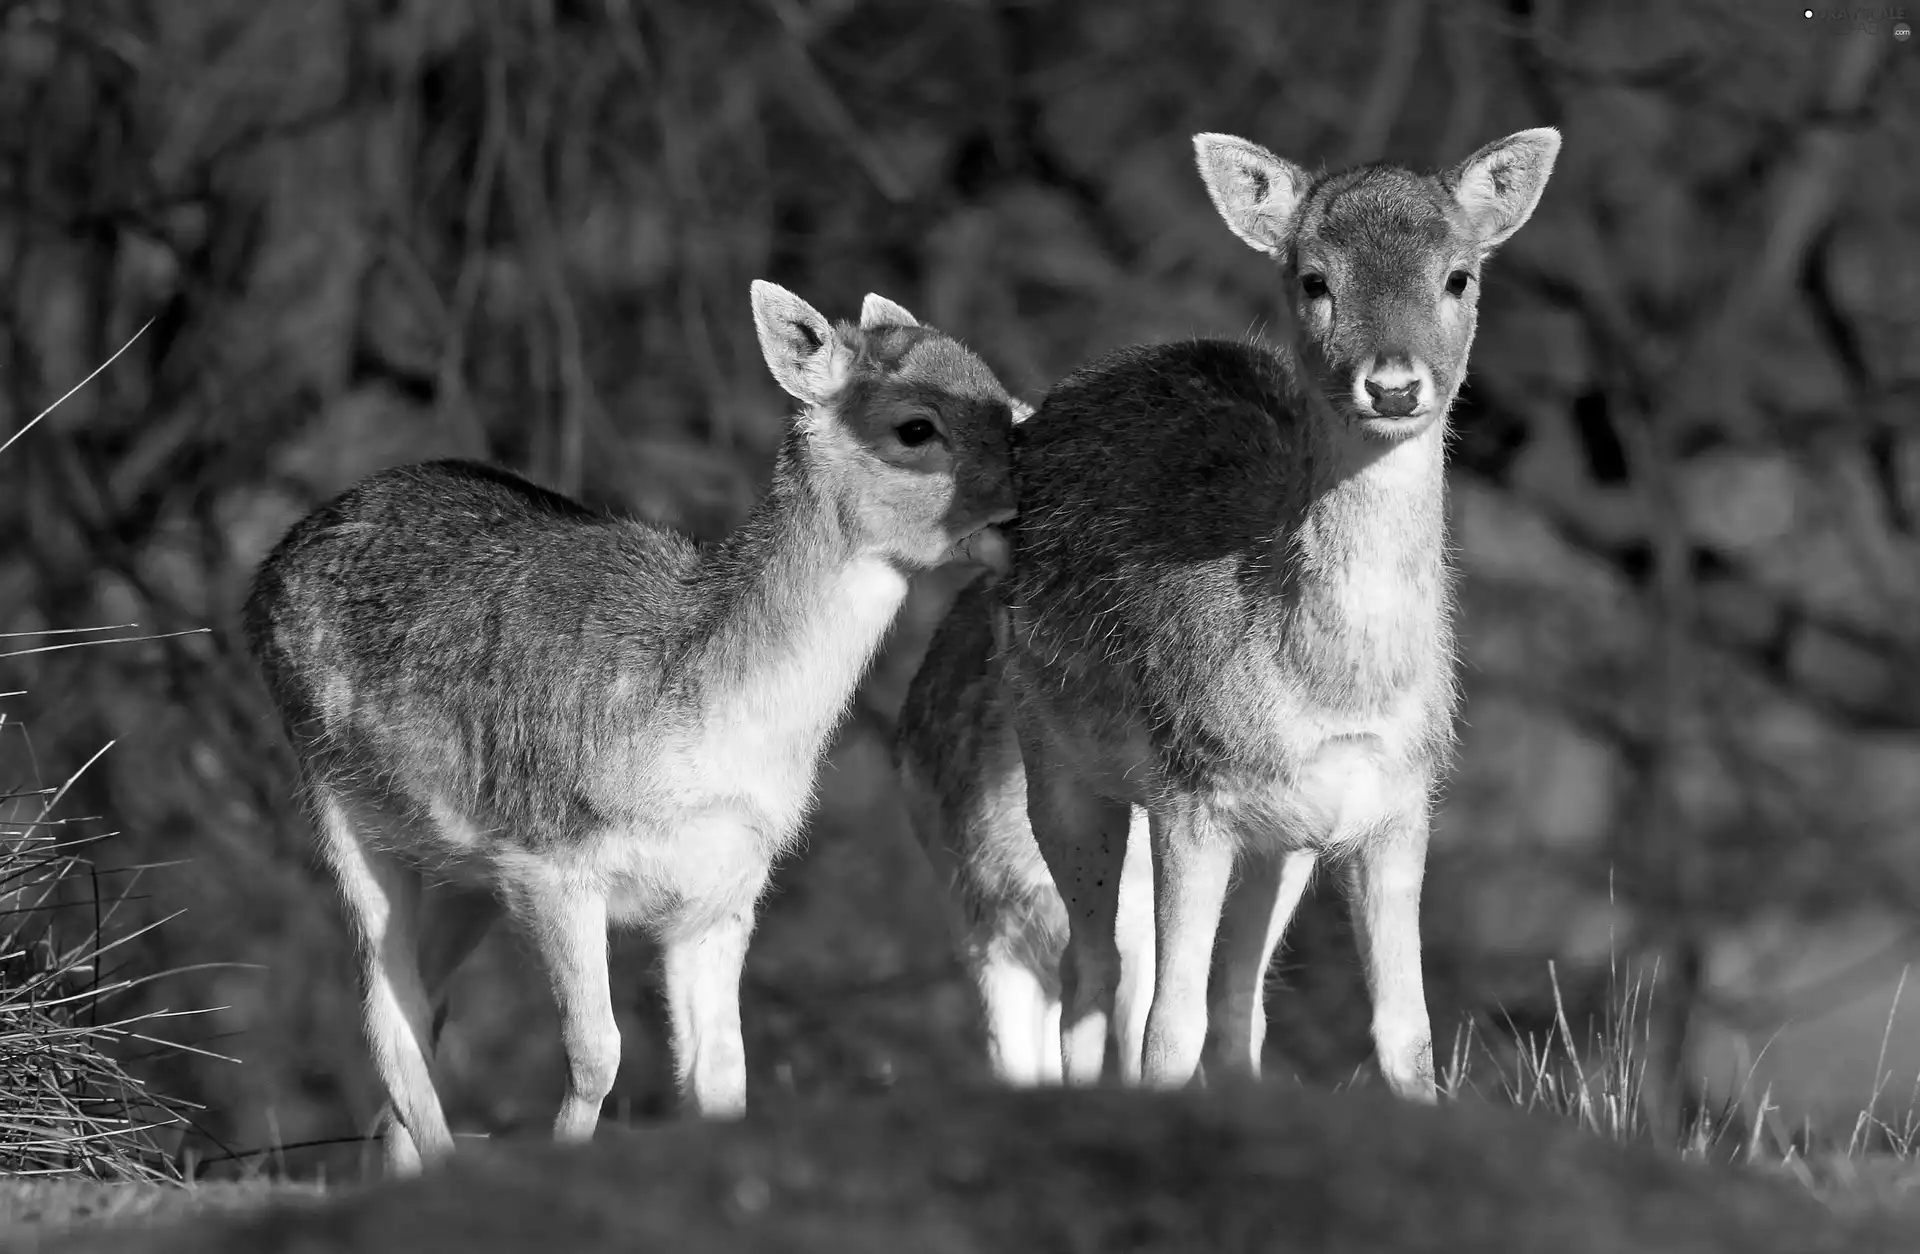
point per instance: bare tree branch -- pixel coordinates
(1399, 49)
(829, 109)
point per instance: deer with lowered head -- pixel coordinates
(502, 702)
(1223, 655)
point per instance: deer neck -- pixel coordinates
(1366, 561)
(1375, 505)
(797, 612)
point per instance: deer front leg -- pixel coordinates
(702, 974)
(1383, 888)
(569, 930)
(1133, 938)
(1260, 903)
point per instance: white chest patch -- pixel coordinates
(1329, 777)
(1344, 790)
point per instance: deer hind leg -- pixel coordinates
(1383, 887)
(1007, 938)
(1014, 953)
(382, 898)
(567, 922)
(1015, 1005)
(997, 947)
(454, 919)
(1193, 858)
(1052, 1069)
(1083, 838)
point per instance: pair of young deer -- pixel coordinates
(1218, 651)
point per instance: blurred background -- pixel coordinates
(1685, 484)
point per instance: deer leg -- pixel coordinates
(1134, 938)
(382, 899)
(1383, 887)
(454, 919)
(568, 925)
(1192, 862)
(1052, 1070)
(1015, 1003)
(1260, 903)
(1083, 838)
(702, 975)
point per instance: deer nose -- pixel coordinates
(1395, 384)
(1394, 402)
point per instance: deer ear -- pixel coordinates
(807, 358)
(878, 311)
(1256, 192)
(1499, 185)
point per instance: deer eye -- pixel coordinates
(915, 431)
(1457, 282)
(1314, 285)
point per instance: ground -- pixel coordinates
(955, 1168)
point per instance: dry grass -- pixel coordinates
(1597, 1080)
(71, 1107)
(68, 1105)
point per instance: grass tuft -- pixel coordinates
(1598, 1081)
(68, 1105)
